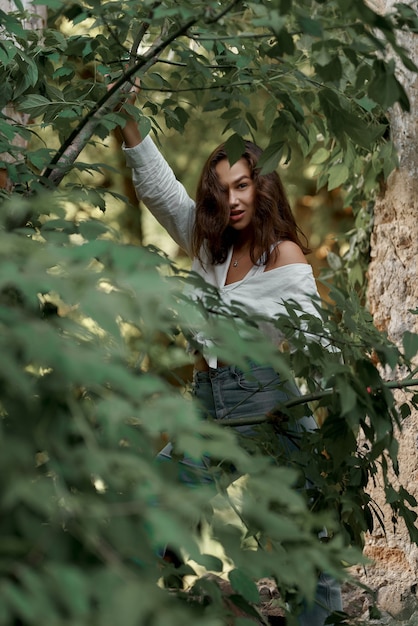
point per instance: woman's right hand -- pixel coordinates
(130, 131)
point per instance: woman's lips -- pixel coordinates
(236, 215)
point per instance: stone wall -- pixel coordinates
(392, 296)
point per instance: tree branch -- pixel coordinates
(206, 88)
(277, 415)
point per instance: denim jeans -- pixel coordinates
(230, 393)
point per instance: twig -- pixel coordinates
(140, 34)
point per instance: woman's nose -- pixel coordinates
(232, 198)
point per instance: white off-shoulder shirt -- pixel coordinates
(260, 293)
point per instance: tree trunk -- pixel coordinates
(392, 295)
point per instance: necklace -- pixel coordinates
(235, 263)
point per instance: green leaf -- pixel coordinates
(210, 562)
(332, 71)
(338, 175)
(235, 148)
(270, 158)
(311, 26)
(13, 25)
(374, 612)
(285, 44)
(410, 344)
(240, 126)
(35, 105)
(8, 50)
(28, 75)
(251, 120)
(385, 88)
(320, 156)
(243, 585)
(92, 229)
(144, 126)
(40, 157)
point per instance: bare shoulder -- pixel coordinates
(287, 252)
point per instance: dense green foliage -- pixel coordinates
(313, 74)
(89, 338)
(92, 328)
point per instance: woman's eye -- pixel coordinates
(242, 185)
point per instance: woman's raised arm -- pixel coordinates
(156, 184)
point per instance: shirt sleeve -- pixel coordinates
(166, 198)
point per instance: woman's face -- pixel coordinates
(239, 187)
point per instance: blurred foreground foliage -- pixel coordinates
(90, 335)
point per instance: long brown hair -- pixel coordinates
(273, 218)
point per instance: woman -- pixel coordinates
(243, 240)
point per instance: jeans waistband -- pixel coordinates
(212, 372)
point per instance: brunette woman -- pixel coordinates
(243, 239)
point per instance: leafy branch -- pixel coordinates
(80, 136)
